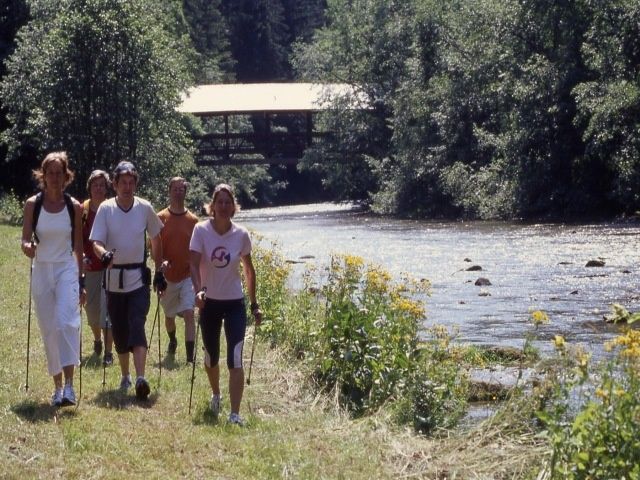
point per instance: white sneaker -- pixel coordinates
(68, 396)
(56, 398)
(125, 383)
(215, 404)
(236, 419)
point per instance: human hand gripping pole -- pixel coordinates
(200, 296)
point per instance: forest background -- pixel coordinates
(478, 108)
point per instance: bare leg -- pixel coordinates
(108, 340)
(189, 326)
(124, 363)
(68, 373)
(236, 388)
(170, 324)
(96, 332)
(57, 381)
(139, 359)
(213, 373)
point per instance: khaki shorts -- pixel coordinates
(178, 298)
(96, 306)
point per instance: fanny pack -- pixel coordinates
(146, 273)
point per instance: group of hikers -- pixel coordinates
(94, 255)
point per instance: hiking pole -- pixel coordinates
(80, 389)
(195, 354)
(26, 385)
(253, 349)
(159, 340)
(107, 325)
(104, 362)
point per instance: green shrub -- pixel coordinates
(357, 331)
(11, 210)
(368, 342)
(272, 273)
(601, 439)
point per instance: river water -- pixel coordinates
(530, 266)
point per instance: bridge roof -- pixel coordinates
(267, 97)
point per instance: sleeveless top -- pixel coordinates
(54, 232)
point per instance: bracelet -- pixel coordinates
(81, 281)
(254, 306)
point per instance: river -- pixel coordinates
(530, 266)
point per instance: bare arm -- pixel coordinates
(156, 251)
(196, 280)
(194, 265)
(27, 245)
(250, 279)
(78, 241)
(78, 248)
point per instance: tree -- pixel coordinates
(209, 34)
(100, 79)
(259, 39)
(609, 106)
(13, 15)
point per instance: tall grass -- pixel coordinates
(292, 431)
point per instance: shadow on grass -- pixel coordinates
(169, 362)
(92, 361)
(204, 416)
(118, 400)
(36, 412)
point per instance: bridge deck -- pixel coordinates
(290, 106)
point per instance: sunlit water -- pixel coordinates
(530, 266)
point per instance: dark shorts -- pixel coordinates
(128, 314)
(234, 314)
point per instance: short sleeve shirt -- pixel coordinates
(220, 257)
(175, 236)
(125, 231)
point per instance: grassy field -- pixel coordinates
(290, 431)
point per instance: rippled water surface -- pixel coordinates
(530, 266)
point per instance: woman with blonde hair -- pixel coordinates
(52, 238)
(218, 246)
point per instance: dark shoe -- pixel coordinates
(97, 347)
(108, 359)
(142, 389)
(173, 346)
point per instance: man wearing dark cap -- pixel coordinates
(119, 240)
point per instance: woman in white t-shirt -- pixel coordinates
(57, 285)
(218, 246)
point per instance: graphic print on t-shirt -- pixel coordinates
(220, 257)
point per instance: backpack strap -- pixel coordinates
(72, 215)
(68, 201)
(36, 215)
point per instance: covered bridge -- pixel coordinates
(262, 122)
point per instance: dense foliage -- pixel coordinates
(100, 79)
(490, 108)
(479, 109)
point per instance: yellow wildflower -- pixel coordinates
(538, 317)
(559, 342)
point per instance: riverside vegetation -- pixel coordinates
(345, 384)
